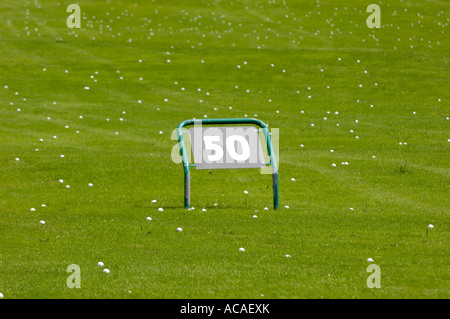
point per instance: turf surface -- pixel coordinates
(363, 116)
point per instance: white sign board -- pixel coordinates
(226, 147)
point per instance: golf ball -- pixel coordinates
(160, 209)
(106, 271)
(42, 222)
(179, 229)
(369, 260)
(1, 295)
(100, 264)
(430, 226)
(241, 249)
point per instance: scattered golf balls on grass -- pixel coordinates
(266, 220)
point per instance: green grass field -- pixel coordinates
(363, 116)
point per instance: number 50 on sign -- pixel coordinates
(226, 147)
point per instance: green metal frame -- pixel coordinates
(186, 165)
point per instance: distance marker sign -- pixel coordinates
(226, 147)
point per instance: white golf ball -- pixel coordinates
(1, 295)
(179, 229)
(430, 226)
(106, 271)
(42, 222)
(90, 184)
(241, 249)
(160, 209)
(149, 218)
(245, 192)
(100, 264)
(287, 256)
(369, 260)
(32, 209)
